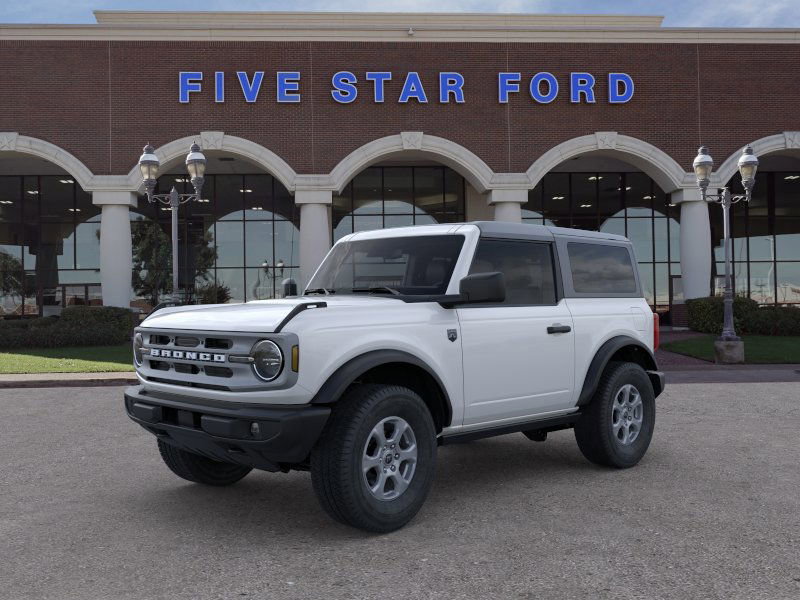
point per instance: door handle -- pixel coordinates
(557, 328)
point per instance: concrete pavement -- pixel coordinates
(88, 510)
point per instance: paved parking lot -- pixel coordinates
(87, 510)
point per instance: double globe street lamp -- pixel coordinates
(196, 165)
(728, 347)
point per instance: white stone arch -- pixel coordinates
(11, 141)
(414, 143)
(656, 163)
(781, 142)
(231, 144)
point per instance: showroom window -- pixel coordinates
(629, 204)
(239, 244)
(385, 197)
(49, 246)
(766, 240)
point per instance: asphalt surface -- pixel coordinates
(87, 510)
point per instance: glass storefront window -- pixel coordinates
(49, 240)
(386, 197)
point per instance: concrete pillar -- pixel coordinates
(116, 254)
(315, 230)
(508, 204)
(695, 243)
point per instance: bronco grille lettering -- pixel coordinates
(181, 354)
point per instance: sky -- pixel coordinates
(678, 13)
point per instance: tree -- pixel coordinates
(12, 279)
(152, 260)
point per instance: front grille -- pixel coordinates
(218, 344)
(193, 360)
(184, 368)
(218, 371)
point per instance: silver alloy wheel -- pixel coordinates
(389, 459)
(627, 415)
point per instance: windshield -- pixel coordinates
(419, 265)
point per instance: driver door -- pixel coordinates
(517, 355)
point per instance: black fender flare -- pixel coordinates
(603, 356)
(340, 380)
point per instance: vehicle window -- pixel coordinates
(526, 266)
(419, 265)
(601, 269)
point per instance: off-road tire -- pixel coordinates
(594, 431)
(199, 469)
(336, 460)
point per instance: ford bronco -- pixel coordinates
(404, 340)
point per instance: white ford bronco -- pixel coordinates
(404, 340)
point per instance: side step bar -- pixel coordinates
(543, 425)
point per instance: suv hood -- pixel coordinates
(261, 316)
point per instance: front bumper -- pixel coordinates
(224, 431)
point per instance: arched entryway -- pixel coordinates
(614, 190)
(237, 244)
(765, 231)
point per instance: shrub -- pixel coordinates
(706, 315)
(213, 293)
(77, 326)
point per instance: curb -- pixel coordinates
(50, 382)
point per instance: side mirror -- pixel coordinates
(483, 287)
(289, 287)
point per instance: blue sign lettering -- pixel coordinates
(615, 95)
(506, 84)
(581, 83)
(188, 81)
(378, 78)
(412, 88)
(451, 83)
(536, 88)
(219, 86)
(344, 88)
(543, 86)
(250, 89)
(288, 86)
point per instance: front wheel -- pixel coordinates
(616, 427)
(375, 462)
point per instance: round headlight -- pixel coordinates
(138, 343)
(268, 360)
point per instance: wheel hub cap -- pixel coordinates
(389, 459)
(627, 415)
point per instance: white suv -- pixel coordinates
(404, 340)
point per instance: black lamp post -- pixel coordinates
(196, 165)
(703, 165)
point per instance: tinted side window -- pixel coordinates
(527, 267)
(601, 269)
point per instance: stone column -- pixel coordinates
(315, 231)
(695, 243)
(116, 254)
(508, 204)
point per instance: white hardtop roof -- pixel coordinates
(487, 228)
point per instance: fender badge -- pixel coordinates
(452, 335)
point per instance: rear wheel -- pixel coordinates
(375, 461)
(199, 469)
(616, 427)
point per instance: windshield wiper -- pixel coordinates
(378, 289)
(324, 291)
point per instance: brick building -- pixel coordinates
(319, 124)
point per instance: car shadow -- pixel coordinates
(277, 504)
